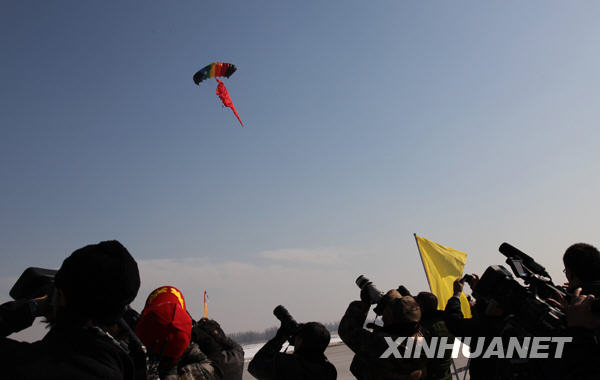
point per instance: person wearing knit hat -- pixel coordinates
(165, 328)
(401, 314)
(93, 287)
(97, 282)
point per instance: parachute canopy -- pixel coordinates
(215, 69)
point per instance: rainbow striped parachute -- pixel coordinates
(215, 69)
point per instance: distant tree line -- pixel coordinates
(248, 337)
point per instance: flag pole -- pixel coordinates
(422, 262)
(205, 308)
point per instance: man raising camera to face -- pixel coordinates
(308, 362)
(400, 315)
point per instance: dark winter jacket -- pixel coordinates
(270, 364)
(434, 326)
(192, 365)
(226, 354)
(64, 353)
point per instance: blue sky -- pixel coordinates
(469, 123)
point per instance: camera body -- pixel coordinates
(527, 312)
(34, 283)
(531, 315)
(468, 279)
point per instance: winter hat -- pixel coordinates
(165, 327)
(98, 281)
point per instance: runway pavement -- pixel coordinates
(341, 357)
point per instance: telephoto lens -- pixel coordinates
(374, 294)
(288, 323)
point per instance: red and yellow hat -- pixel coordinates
(165, 326)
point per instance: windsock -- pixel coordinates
(205, 308)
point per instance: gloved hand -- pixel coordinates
(364, 296)
(458, 286)
(207, 343)
(283, 334)
(209, 324)
(212, 327)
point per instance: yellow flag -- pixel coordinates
(443, 265)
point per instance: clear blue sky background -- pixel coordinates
(470, 123)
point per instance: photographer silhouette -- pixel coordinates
(308, 362)
(93, 287)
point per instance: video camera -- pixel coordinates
(530, 314)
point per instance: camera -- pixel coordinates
(288, 323)
(373, 293)
(468, 279)
(529, 314)
(403, 291)
(34, 283)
